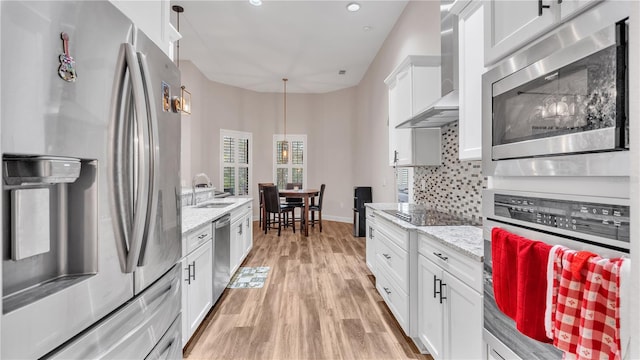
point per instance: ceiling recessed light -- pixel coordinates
(255, 2)
(354, 6)
(367, 28)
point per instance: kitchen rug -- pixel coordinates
(249, 278)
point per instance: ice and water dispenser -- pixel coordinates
(49, 209)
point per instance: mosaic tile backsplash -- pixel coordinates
(454, 187)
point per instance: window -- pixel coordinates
(291, 168)
(235, 161)
(404, 185)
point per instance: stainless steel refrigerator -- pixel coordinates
(90, 130)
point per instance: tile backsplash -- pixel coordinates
(454, 187)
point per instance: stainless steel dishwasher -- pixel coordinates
(221, 256)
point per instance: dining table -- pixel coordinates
(306, 195)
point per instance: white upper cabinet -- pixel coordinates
(471, 67)
(512, 24)
(413, 85)
(153, 18)
(568, 8)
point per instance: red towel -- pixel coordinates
(532, 288)
(504, 255)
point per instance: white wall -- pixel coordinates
(326, 119)
(417, 32)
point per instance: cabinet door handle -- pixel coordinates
(386, 256)
(542, 7)
(559, 1)
(188, 279)
(202, 236)
(370, 232)
(435, 292)
(442, 297)
(493, 351)
(193, 276)
(387, 290)
(240, 229)
(440, 256)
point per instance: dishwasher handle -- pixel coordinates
(223, 221)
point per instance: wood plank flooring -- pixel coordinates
(319, 302)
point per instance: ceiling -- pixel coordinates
(308, 42)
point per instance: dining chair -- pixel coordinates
(317, 208)
(273, 206)
(261, 202)
(294, 202)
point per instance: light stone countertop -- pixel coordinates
(467, 240)
(193, 217)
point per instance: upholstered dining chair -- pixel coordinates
(272, 206)
(317, 208)
(261, 202)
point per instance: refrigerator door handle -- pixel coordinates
(154, 156)
(129, 234)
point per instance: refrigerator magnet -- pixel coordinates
(166, 97)
(66, 70)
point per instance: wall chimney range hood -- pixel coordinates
(445, 109)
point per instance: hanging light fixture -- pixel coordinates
(285, 143)
(185, 96)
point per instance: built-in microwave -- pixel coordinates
(560, 107)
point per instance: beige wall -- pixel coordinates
(346, 129)
(417, 32)
(326, 119)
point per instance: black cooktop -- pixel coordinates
(420, 216)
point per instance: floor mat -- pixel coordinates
(249, 278)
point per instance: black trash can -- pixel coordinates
(361, 196)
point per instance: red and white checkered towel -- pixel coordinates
(568, 306)
(583, 305)
(600, 313)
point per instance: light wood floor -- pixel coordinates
(319, 302)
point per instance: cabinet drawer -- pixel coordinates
(198, 237)
(393, 261)
(394, 232)
(463, 267)
(396, 299)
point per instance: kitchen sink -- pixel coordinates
(213, 205)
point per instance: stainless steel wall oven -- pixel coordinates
(562, 103)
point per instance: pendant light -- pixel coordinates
(285, 143)
(185, 96)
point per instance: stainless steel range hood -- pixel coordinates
(445, 109)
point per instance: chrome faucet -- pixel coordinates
(197, 180)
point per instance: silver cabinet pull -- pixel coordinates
(386, 256)
(387, 290)
(542, 7)
(435, 292)
(442, 257)
(193, 276)
(202, 236)
(441, 292)
(188, 279)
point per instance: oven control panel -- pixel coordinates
(602, 220)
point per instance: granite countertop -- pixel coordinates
(193, 217)
(465, 239)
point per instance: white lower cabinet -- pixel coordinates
(197, 291)
(449, 310)
(370, 244)
(392, 270)
(241, 236)
(430, 310)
